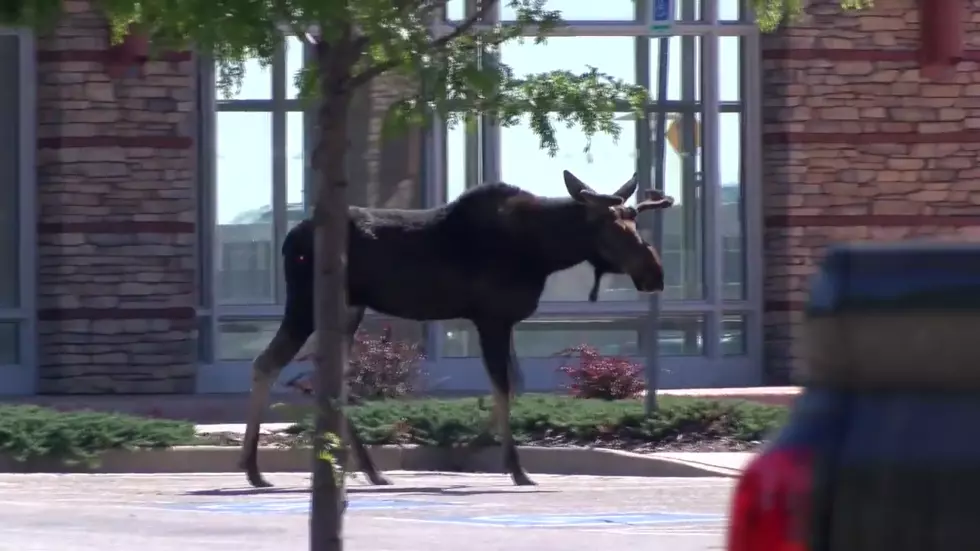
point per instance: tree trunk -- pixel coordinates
(330, 295)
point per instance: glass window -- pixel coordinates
(455, 10)
(545, 338)
(256, 84)
(730, 10)
(295, 168)
(730, 68)
(732, 222)
(10, 149)
(579, 10)
(675, 68)
(733, 329)
(681, 335)
(246, 254)
(606, 167)
(613, 55)
(683, 224)
(243, 340)
(9, 343)
(456, 161)
(294, 64)
(205, 344)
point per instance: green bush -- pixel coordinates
(32, 432)
(546, 419)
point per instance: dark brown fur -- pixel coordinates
(484, 257)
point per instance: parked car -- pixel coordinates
(882, 448)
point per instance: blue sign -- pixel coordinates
(300, 506)
(583, 520)
(662, 15)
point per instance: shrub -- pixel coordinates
(380, 368)
(545, 419)
(31, 432)
(603, 377)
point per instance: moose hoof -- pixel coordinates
(522, 480)
(380, 480)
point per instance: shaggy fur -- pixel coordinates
(484, 257)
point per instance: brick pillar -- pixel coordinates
(859, 146)
(117, 217)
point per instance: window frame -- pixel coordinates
(21, 378)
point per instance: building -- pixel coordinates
(141, 213)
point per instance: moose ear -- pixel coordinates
(592, 198)
(628, 189)
(575, 186)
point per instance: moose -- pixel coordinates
(484, 257)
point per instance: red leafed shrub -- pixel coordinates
(380, 368)
(603, 377)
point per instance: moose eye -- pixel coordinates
(300, 258)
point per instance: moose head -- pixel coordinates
(619, 246)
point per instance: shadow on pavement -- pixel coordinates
(459, 490)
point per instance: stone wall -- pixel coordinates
(117, 217)
(858, 146)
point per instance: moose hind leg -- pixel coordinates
(265, 370)
(364, 460)
(495, 340)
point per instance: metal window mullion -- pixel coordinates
(279, 168)
(712, 185)
(752, 197)
(625, 28)
(27, 202)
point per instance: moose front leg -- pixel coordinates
(495, 340)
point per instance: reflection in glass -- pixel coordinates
(9, 343)
(681, 59)
(579, 10)
(455, 161)
(682, 248)
(10, 231)
(681, 335)
(686, 10)
(730, 68)
(295, 169)
(243, 340)
(613, 55)
(542, 339)
(245, 254)
(732, 222)
(606, 167)
(733, 342)
(257, 83)
(205, 345)
(294, 63)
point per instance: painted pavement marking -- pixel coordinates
(594, 520)
(301, 506)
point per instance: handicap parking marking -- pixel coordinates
(578, 520)
(301, 506)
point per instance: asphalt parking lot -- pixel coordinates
(432, 511)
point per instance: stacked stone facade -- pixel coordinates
(859, 146)
(117, 203)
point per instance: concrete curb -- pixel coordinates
(223, 459)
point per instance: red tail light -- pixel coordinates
(771, 505)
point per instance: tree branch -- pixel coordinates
(435, 46)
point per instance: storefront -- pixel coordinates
(154, 267)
